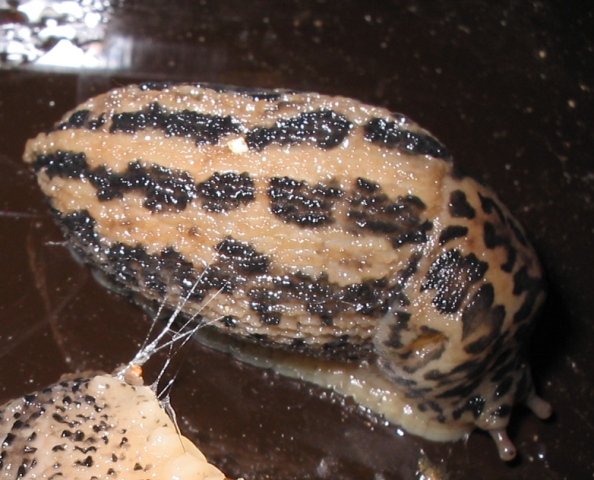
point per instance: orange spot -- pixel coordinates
(136, 371)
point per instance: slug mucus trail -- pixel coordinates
(346, 241)
(94, 425)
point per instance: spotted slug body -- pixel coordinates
(330, 227)
(92, 426)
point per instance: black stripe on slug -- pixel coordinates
(222, 192)
(237, 263)
(63, 164)
(76, 120)
(451, 275)
(474, 405)
(203, 127)
(321, 298)
(426, 346)
(164, 189)
(400, 220)
(267, 302)
(242, 256)
(390, 135)
(325, 128)
(397, 326)
(459, 206)
(297, 202)
(81, 119)
(504, 387)
(490, 236)
(452, 232)
(490, 206)
(532, 286)
(229, 321)
(481, 317)
(131, 267)
(343, 348)
(517, 231)
(503, 410)
(473, 368)
(461, 390)
(81, 225)
(512, 254)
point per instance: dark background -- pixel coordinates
(507, 86)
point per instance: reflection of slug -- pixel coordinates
(332, 228)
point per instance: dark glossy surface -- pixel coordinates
(507, 87)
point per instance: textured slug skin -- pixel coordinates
(95, 426)
(330, 227)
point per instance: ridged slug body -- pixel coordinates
(333, 229)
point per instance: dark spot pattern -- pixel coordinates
(63, 164)
(452, 232)
(517, 231)
(343, 348)
(491, 238)
(503, 388)
(512, 255)
(243, 256)
(267, 303)
(81, 119)
(390, 135)
(238, 263)
(474, 405)
(480, 316)
(532, 287)
(411, 267)
(397, 327)
(81, 424)
(164, 189)
(322, 298)
(226, 191)
(451, 275)
(133, 266)
(497, 235)
(462, 389)
(502, 411)
(297, 202)
(401, 220)
(490, 206)
(204, 128)
(81, 226)
(459, 206)
(425, 348)
(324, 128)
(229, 321)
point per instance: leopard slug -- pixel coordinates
(94, 425)
(336, 231)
